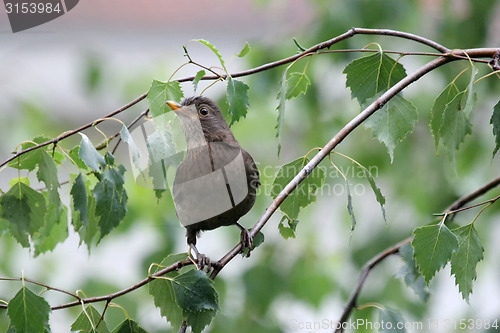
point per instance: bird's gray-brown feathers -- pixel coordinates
(217, 175)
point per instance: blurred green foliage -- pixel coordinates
(317, 271)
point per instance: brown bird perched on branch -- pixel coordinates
(216, 183)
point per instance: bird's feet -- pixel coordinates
(247, 242)
(201, 261)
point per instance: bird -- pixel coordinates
(216, 183)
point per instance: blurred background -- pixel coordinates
(103, 54)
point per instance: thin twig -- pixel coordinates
(139, 117)
(41, 285)
(459, 203)
(456, 54)
(339, 137)
(458, 210)
(351, 303)
(103, 312)
(325, 151)
(110, 297)
(431, 54)
(75, 131)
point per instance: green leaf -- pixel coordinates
(376, 190)
(350, 209)
(47, 172)
(198, 320)
(258, 239)
(197, 79)
(54, 231)
(281, 110)
(410, 274)
(296, 84)
(194, 291)
(88, 232)
(393, 122)
(115, 176)
(244, 51)
(495, 121)
(28, 312)
(214, 50)
(4, 224)
(74, 155)
(29, 160)
(160, 93)
(111, 200)
(456, 125)
(87, 322)
(135, 153)
(23, 180)
(287, 231)
(25, 209)
(433, 246)
(89, 155)
(470, 96)
(391, 319)
(437, 112)
(79, 195)
(237, 96)
(163, 294)
(188, 296)
(368, 76)
(304, 194)
(465, 259)
(300, 47)
(292, 87)
(129, 326)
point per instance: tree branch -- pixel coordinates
(351, 303)
(455, 54)
(367, 268)
(73, 132)
(39, 284)
(110, 297)
(459, 203)
(447, 56)
(325, 151)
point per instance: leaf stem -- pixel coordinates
(458, 54)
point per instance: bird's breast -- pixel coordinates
(211, 181)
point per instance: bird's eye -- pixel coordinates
(203, 112)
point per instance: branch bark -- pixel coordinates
(445, 57)
(459, 54)
(367, 268)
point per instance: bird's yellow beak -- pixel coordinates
(173, 105)
(182, 110)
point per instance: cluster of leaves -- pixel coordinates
(98, 205)
(100, 208)
(33, 215)
(435, 245)
(306, 193)
(29, 312)
(39, 219)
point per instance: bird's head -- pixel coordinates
(207, 113)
